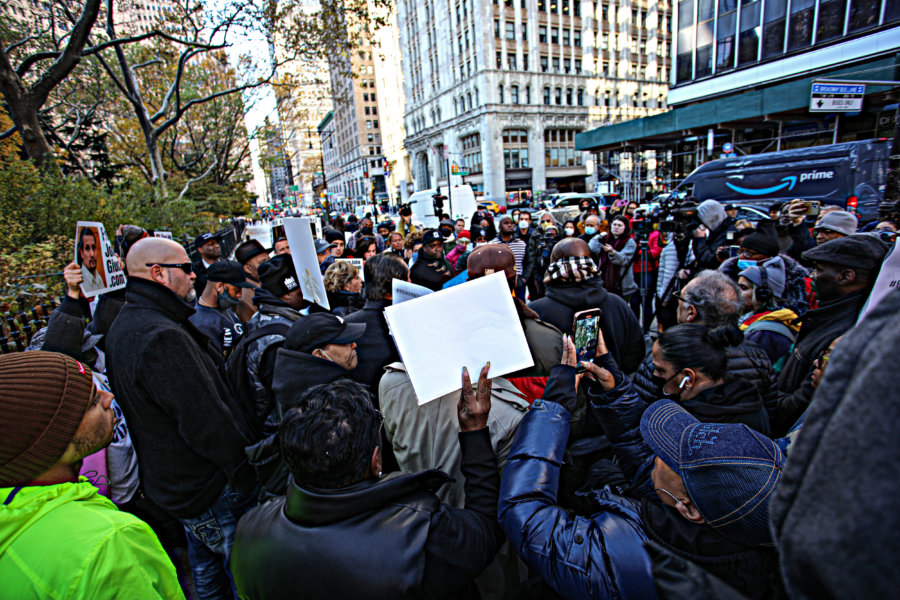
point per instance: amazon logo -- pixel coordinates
(787, 183)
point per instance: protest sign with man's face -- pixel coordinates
(100, 268)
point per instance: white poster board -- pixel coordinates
(888, 281)
(100, 267)
(401, 291)
(303, 251)
(166, 235)
(434, 358)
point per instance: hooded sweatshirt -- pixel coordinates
(67, 541)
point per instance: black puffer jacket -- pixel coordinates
(620, 327)
(744, 362)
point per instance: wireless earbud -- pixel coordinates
(684, 382)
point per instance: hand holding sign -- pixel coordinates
(101, 270)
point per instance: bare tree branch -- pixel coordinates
(198, 178)
(8, 133)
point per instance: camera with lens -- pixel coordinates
(679, 216)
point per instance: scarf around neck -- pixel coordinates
(571, 269)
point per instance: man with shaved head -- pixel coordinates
(574, 284)
(189, 430)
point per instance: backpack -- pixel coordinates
(236, 366)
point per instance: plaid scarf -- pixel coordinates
(571, 269)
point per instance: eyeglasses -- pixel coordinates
(185, 266)
(683, 299)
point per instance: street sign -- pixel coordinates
(836, 97)
(446, 152)
(727, 147)
(293, 188)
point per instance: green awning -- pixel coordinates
(749, 105)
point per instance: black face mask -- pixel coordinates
(366, 230)
(661, 382)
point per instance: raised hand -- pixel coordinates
(474, 406)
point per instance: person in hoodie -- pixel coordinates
(318, 349)
(58, 536)
(280, 302)
(706, 244)
(215, 315)
(574, 284)
(766, 322)
(762, 245)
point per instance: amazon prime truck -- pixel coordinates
(850, 175)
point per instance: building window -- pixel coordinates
(559, 148)
(802, 12)
(496, 28)
(577, 8)
(542, 34)
(578, 66)
(375, 124)
(554, 35)
(831, 19)
(544, 64)
(367, 110)
(469, 101)
(525, 65)
(556, 64)
(568, 63)
(527, 94)
(368, 124)
(499, 60)
(510, 30)
(546, 95)
(542, 5)
(576, 38)
(524, 32)
(748, 49)
(558, 95)
(515, 149)
(565, 37)
(511, 61)
(773, 28)
(569, 96)
(514, 94)
(580, 97)
(501, 94)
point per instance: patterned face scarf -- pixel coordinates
(571, 269)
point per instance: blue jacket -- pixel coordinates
(589, 558)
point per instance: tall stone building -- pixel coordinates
(505, 85)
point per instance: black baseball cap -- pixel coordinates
(203, 239)
(321, 329)
(432, 235)
(228, 271)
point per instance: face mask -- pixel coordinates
(226, 301)
(745, 264)
(570, 231)
(367, 230)
(661, 382)
(515, 218)
(470, 247)
(523, 225)
(590, 230)
(545, 224)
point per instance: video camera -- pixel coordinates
(679, 216)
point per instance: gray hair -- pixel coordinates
(716, 297)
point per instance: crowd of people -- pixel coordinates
(209, 432)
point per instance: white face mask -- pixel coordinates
(570, 231)
(523, 225)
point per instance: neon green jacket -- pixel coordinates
(67, 541)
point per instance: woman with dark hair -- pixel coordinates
(616, 252)
(366, 248)
(689, 365)
(570, 229)
(483, 219)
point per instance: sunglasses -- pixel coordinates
(186, 266)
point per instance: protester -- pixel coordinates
(592, 225)
(617, 251)
(766, 322)
(340, 511)
(366, 248)
(731, 210)
(318, 349)
(58, 536)
(838, 491)
(431, 269)
(762, 245)
(323, 254)
(336, 237)
(674, 258)
(507, 236)
(395, 244)
(713, 512)
(532, 274)
(207, 246)
(447, 227)
(706, 243)
(463, 239)
(834, 225)
(280, 301)
(215, 316)
(343, 285)
(845, 270)
(377, 348)
(412, 243)
(573, 285)
(365, 231)
(460, 226)
(384, 229)
(569, 229)
(281, 246)
(192, 430)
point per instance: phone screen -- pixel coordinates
(734, 251)
(586, 333)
